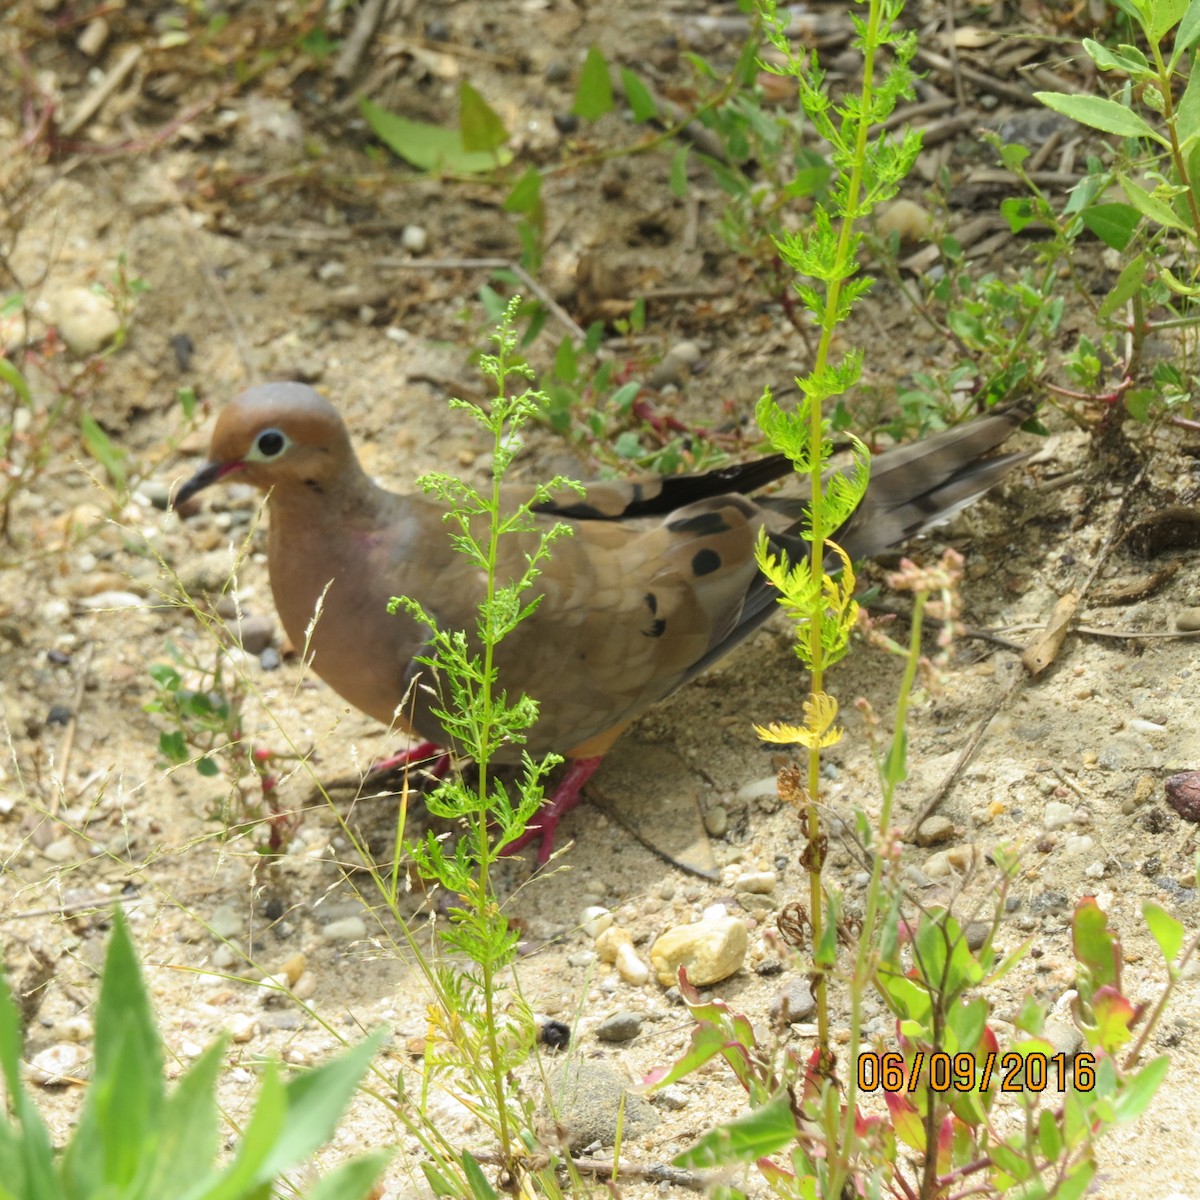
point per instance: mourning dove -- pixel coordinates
(657, 582)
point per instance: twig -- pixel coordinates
(489, 264)
(91, 103)
(1006, 91)
(365, 26)
(68, 742)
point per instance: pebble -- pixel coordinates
(622, 1026)
(716, 821)
(91, 40)
(588, 1102)
(222, 957)
(756, 902)
(305, 988)
(595, 920)
(977, 933)
(75, 1029)
(414, 239)
(935, 830)
(945, 863)
(348, 929)
(60, 850)
(905, 218)
(1188, 620)
(155, 493)
(758, 789)
(1079, 843)
(672, 1098)
(269, 659)
(793, 1004)
(1183, 794)
(1057, 815)
(254, 633)
(761, 882)
(242, 1027)
(1094, 870)
(226, 922)
(85, 320)
(582, 958)
(57, 1065)
(709, 950)
(113, 600)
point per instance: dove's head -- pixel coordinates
(275, 436)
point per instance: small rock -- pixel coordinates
(756, 902)
(294, 967)
(557, 71)
(977, 933)
(1183, 795)
(582, 958)
(588, 1100)
(57, 1065)
(254, 633)
(414, 239)
(305, 988)
(756, 881)
(595, 920)
(1057, 815)
(75, 1029)
(242, 1027)
(222, 957)
(935, 830)
(113, 600)
(348, 929)
(95, 34)
(1188, 620)
(226, 922)
(1094, 870)
(269, 659)
(716, 821)
(709, 950)
(956, 860)
(905, 218)
(85, 320)
(620, 1027)
(154, 493)
(1079, 843)
(672, 1098)
(793, 1004)
(60, 850)
(757, 789)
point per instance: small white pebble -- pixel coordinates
(1094, 870)
(57, 1064)
(714, 912)
(757, 789)
(1079, 843)
(305, 988)
(222, 957)
(1057, 815)
(1141, 725)
(242, 1027)
(630, 967)
(762, 882)
(595, 920)
(60, 850)
(414, 239)
(226, 922)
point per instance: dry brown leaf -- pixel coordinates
(1044, 649)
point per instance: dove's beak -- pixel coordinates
(208, 474)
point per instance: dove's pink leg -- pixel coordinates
(566, 796)
(425, 752)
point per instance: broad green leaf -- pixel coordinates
(480, 1188)
(1129, 283)
(1137, 1092)
(352, 1179)
(1165, 929)
(1113, 224)
(25, 1150)
(762, 1131)
(1077, 1182)
(1164, 16)
(1187, 112)
(481, 128)
(428, 147)
(1115, 1016)
(1096, 112)
(1049, 1136)
(526, 193)
(641, 102)
(1125, 58)
(1188, 33)
(1019, 212)
(1095, 946)
(1152, 207)
(594, 95)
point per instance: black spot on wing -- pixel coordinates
(651, 603)
(701, 524)
(705, 562)
(656, 628)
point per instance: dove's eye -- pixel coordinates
(271, 443)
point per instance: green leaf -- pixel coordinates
(1129, 283)
(1126, 58)
(1094, 945)
(481, 129)
(1049, 1138)
(15, 380)
(1187, 111)
(101, 447)
(679, 177)
(526, 193)
(1165, 929)
(1136, 1093)
(641, 102)
(1019, 212)
(428, 147)
(1151, 206)
(172, 747)
(1164, 16)
(1113, 224)
(762, 1131)
(208, 767)
(480, 1188)
(351, 1180)
(1098, 113)
(594, 95)
(1188, 33)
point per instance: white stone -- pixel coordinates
(709, 951)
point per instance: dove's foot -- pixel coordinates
(425, 759)
(566, 796)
